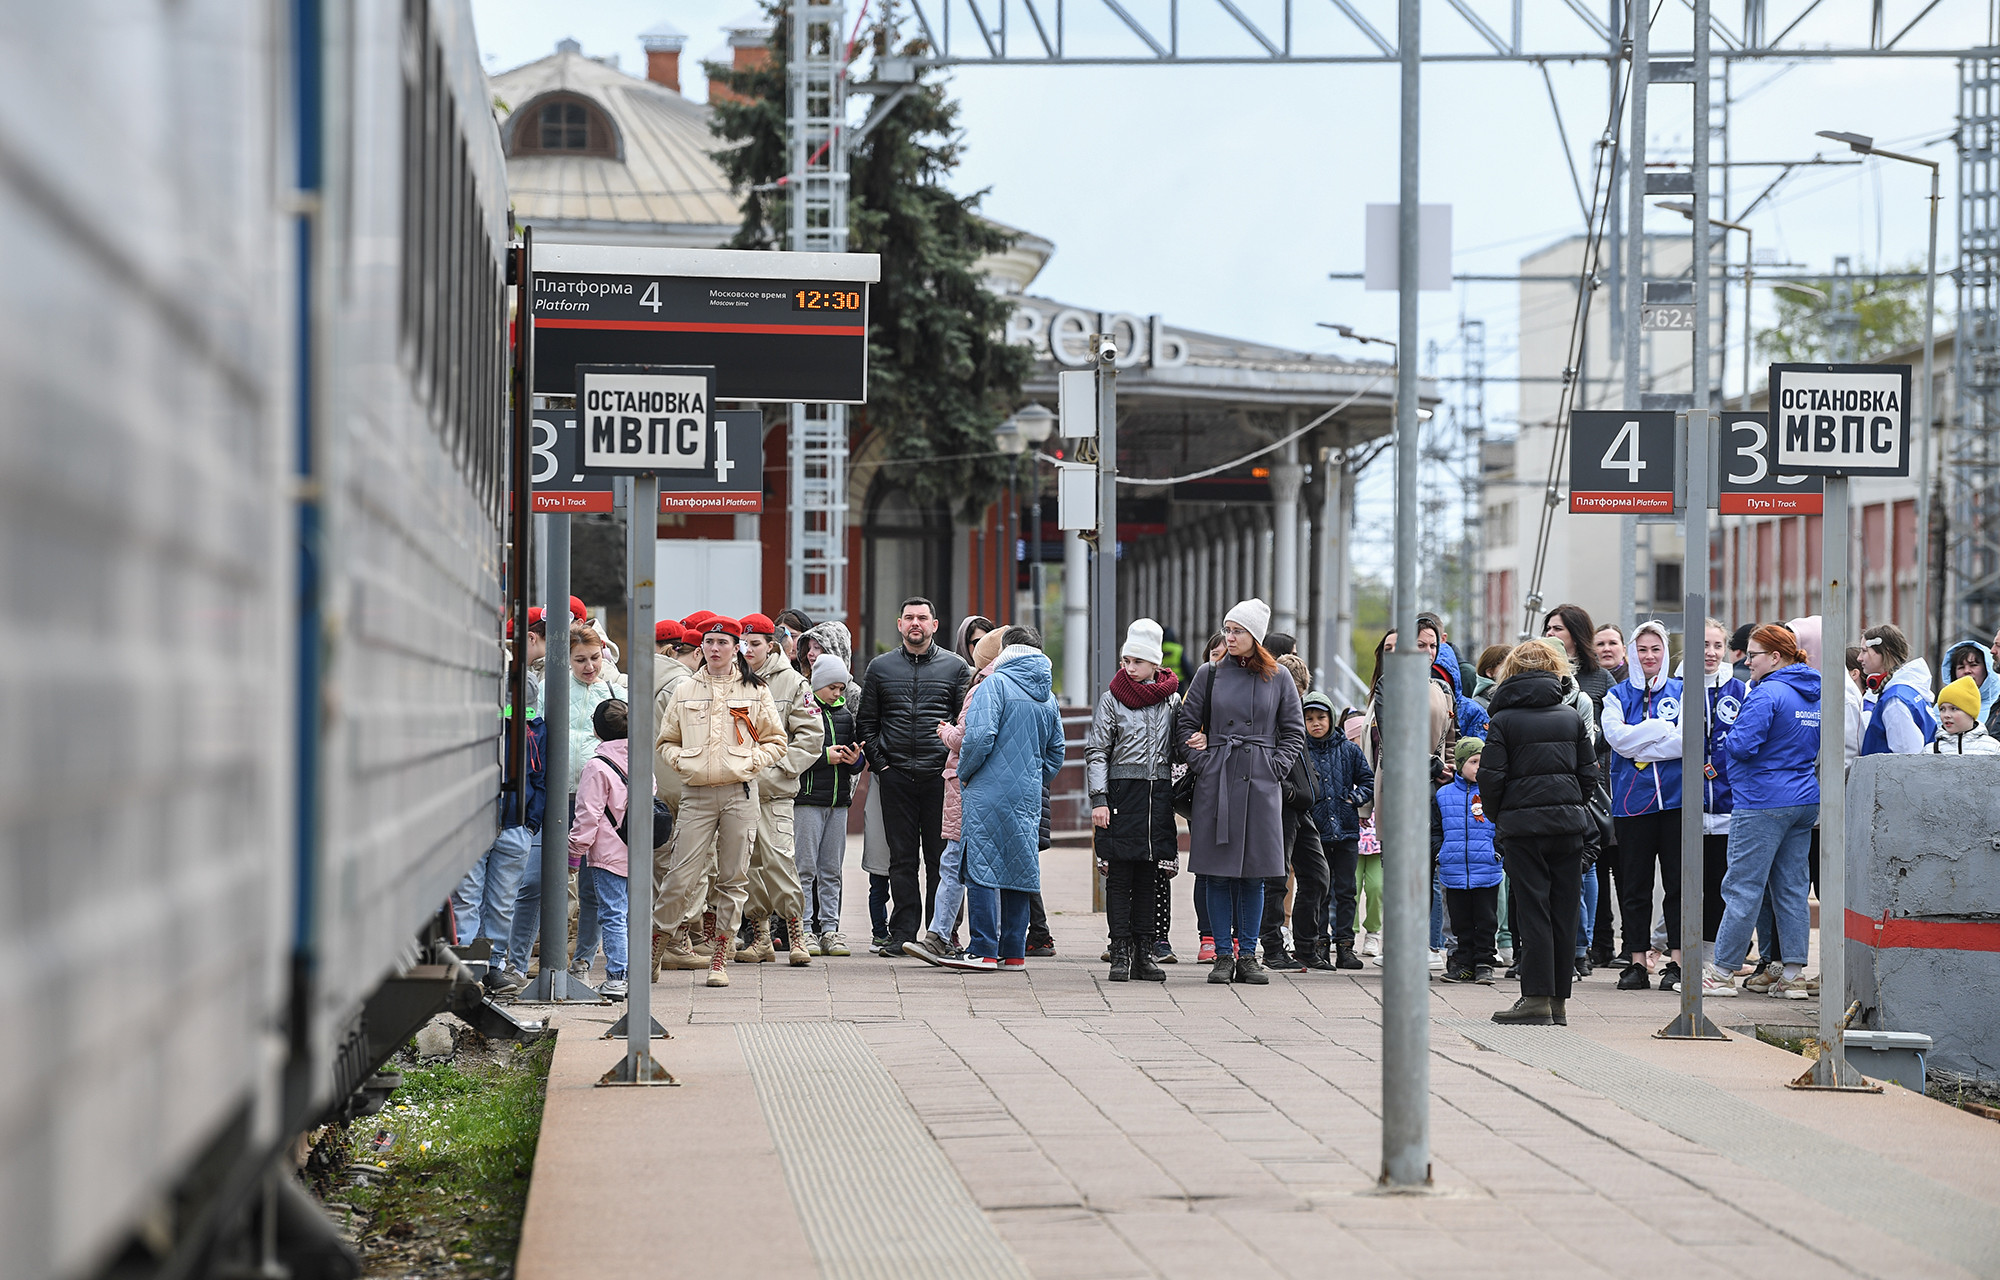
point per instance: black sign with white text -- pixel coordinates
(1842, 419)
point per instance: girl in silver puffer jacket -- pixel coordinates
(1128, 767)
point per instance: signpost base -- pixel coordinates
(1833, 1074)
(1689, 1026)
(622, 1027)
(558, 986)
(636, 1070)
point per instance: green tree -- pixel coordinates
(941, 374)
(1888, 316)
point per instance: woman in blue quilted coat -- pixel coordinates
(1013, 748)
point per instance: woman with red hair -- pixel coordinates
(1774, 784)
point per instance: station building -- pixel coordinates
(596, 155)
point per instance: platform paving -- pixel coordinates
(1114, 1130)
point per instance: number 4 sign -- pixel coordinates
(1621, 462)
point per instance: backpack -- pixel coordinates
(663, 817)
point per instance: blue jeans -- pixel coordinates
(527, 912)
(1588, 915)
(1236, 913)
(999, 919)
(482, 906)
(950, 891)
(1767, 929)
(1201, 923)
(1767, 849)
(878, 905)
(1437, 913)
(602, 898)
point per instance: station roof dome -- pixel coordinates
(598, 156)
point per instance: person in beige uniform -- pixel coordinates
(774, 876)
(676, 653)
(721, 730)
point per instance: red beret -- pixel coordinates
(714, 622)
(694, 620)
(667, 629)
(756, 624)
(576, 608)
(534, 616)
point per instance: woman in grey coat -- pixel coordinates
(1242, 730)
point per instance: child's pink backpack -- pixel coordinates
(1370, 845)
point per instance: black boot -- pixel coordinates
(1248, 970)
(1528, 1011)
(1121, 960)
(1317, 958)
(1346, 959)
(1145, 967)
(1277, 958)
(1559, 1011)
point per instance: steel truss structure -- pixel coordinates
(1971, 474)
(816, 120)
(1041, 32)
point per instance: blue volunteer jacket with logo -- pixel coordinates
(1642, 722)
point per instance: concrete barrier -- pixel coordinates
(1923, 903)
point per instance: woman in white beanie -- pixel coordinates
(1242, 731)
(1128, 767)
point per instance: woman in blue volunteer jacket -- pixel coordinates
(1726, 695)
(1642, 722)
(1773, 753)
(1903, 721)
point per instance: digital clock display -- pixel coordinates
(826, 300)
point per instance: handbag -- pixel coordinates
(1597, 836)
(1184, 776)
(663, 817)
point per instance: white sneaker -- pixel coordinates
(1371, 944)
(613, 990)
(832, 944)
(1506, 955)
(1437, 962)
(1285, 932)
(1715, 986)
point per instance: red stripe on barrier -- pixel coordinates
(682, 326)
(1926, 935)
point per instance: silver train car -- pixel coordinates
(252, 539)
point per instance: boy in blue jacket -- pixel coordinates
(1468, 865)
(1344, 781)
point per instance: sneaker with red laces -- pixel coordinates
(1207, 953)
(1019, 964)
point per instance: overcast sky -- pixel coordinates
(1220, 197)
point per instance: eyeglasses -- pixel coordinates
(1756, 653)
(1234, 631)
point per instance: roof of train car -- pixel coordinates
(661, 183)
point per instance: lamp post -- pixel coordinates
(1749, 257)
(1862, 144)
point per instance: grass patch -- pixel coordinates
(436, 1185)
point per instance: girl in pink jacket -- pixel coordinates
(596, 849)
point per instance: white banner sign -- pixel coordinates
(1842, 419)
(645, 421)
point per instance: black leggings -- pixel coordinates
(1132, 898)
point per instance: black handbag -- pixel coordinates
(1184, 780)
(663, 817)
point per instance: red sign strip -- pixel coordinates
(745, 504)
(687, 326)
(1772, 504)
(572, 500)
(1581, 501)
(1925, 935)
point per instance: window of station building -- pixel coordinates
(564, 124)
(1666, 582)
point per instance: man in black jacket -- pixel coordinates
(907, 693)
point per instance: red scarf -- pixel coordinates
(1140, 696)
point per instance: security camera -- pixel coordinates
(1107, 348)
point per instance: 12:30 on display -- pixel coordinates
(826, 300)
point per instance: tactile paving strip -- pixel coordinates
(1856, 1183)
(877, 1198)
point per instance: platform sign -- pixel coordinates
(1748, 481)
(1842, 419)
(561, 486)
(786, 327)
(1621, 462)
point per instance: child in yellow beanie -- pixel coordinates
(1958, 722)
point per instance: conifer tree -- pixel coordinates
(941, 373)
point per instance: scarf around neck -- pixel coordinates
(1140, 696)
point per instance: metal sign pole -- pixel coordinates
(642, 532)
(1690, 1024)
(1832, 1071)
(1104, 597)
(1406, 1012)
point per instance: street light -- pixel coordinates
(1348, 333)
(1749, 257)
(1865, 145)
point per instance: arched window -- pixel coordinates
(563, 124)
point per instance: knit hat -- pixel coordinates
(1253, 616)
(827, 670)
(1962, 693)
(666, 629)
(715, 622)
(1466, 749)
(756, 624)
(987, 649)
(1144, 641)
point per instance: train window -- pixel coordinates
(564, 124)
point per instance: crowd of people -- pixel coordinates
(1555, 831)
